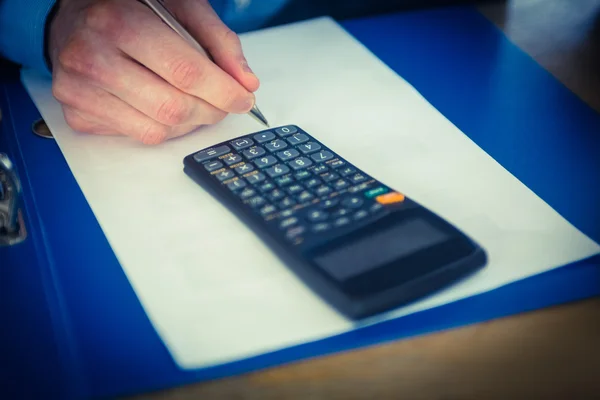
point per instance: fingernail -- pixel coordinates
(246, 67)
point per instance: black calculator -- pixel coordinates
(361, 245)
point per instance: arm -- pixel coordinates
(23, 31)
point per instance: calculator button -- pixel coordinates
(247, 193)
(232, 159)
(300, 163)
(288, 222)
(264, 162)
(268, 209)
(336, 164)
(376, 207)
(358, 178)
(342, 212)
(304, 197)
(287, 213)
(360, 215)
(286, 130)
(287, 203)
(207, 154)
(276, 195)
(322, 156)
(352, 202)
(330, 203)
(347, 171)
(294, 232)
(276, 145)
(235, 185)
(317, 216)
(298, 138)
(277, 170)
(242, 169)
(375, 192)
(254, 152)
(309, 147)
(390, 198)
(212, 166)
(256, 178)
(257, 201)
(284, 181)
(330, 176)
(240, 144)
(302, 175)
(319, 169)
(340, 184)
(312, 182)
(264, 137)
(227, 174)
(323, 190)
(294, 189)
(320, 227)
(341, 221)
(267, 187)
(288, 154)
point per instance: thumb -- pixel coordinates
(223, 45)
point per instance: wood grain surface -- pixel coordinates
(548, 354)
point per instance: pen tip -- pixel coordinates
(256, 113)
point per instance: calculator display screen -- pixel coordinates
(380, 248)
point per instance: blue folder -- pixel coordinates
(71, 325)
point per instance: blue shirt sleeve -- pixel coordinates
(22, 32)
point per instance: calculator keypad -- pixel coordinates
(294, 182)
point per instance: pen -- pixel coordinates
(170, 20)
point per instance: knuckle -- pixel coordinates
(78, 57)
(185, 74)
(172, 111)
(153, 134)
(75, 122)
(103, 16)
(231, 38)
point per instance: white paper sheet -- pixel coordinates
(212, 290)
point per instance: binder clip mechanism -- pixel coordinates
(12, 227)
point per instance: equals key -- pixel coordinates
(207, 154)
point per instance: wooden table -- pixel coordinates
(551, 354)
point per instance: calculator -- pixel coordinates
(361, 245)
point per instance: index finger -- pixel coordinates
(145, 38)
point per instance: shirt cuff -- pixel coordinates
(23, 32)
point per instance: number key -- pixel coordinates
(322, 156)
(277, 170)
(256, 178)
(276, 145)
(286, 130)
(254, 152)
(264, 162)
(288, 154)
(298, 138)
(300, 163)
(309, 147)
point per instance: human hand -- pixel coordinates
(118, 69)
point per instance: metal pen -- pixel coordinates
(170, 20)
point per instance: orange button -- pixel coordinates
(390, 198)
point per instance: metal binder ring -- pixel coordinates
(40, 128)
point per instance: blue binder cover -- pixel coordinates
(71, 325)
